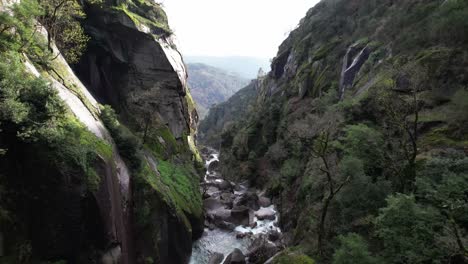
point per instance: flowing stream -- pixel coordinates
(223, 200)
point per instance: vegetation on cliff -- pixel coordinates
(63, 192)
(363, 99)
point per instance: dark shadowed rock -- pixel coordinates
(261, 250)
(214, 165)
(240, 215)
(264, 201)
(249, 199)
(224, 185)
(236, 257)
(211, 204)
(216, 258)
(274, 235)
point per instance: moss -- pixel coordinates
(164, 148)
(439, 137)
(324, 50)
(156, 21)
(183, 187)
(288, 257)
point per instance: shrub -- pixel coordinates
(353, 249)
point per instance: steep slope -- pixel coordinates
(210, 85)
(223, 115)
(76, 184)
(364, 101)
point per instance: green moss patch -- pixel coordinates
(288, 257)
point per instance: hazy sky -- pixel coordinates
(234, 27)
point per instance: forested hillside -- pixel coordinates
(360, 133)
(210, 85)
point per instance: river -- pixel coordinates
(237, 217)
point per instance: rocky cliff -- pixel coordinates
(83, 183)
(363, 99)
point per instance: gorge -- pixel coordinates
(352, 149)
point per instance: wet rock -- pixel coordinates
(240, 215)
(216, 258)
(223, 185)
(226, 225)
(249, 199)
(236, 257)
(265, 214)
(274, 235)
(240, 235)
(264, 201)
(227, 199)
(212, 204)
(211, 191)
(261, 250)
(214, 165)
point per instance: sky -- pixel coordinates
(233, 27)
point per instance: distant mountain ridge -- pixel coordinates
(245, 66)
(211, 85)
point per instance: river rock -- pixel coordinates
(265, 214)
(274, 235)
(223, 185)
(240, 215)
(261, 250)
(236, 257)
(227, 199)
(216, 258)
(212, 204)
(214, 165)
(264, 201)
(249, 199)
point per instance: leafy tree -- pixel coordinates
(408, 231)
(18, 29)
(443, 184)
(365, 143)
(323, 150)
(353, 249)
(61, 20)
(401, 107)
(27, 104)
(361, 198)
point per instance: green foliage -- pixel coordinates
(442, 184)
(364, 143)
(128, 144)
(291, 169)
(147, 13)
(291, 257)
(17, 30)
(28, 103)
(31, 110)
(407, 230)
(358, 207)
(61, 18)
(353, 249)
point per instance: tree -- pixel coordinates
(353, 249)
(19, 28)
(407, 230)
(322, 150)
(401, 106)
(443, 184)
(60, 18)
